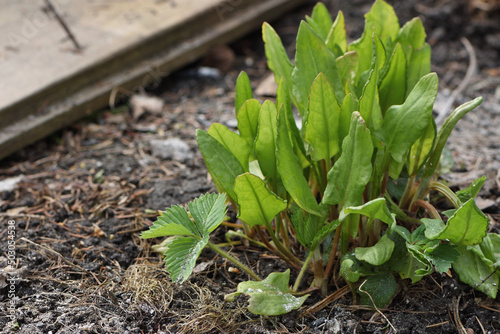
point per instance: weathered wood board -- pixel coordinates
(46, 83)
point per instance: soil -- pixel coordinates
(81, 203)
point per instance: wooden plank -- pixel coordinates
(125, 43)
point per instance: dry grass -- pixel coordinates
(189, 307)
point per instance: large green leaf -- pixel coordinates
(351, 173)
(392, 89)
(269, 297)
(311, 58)
(257, 204)
(320, 20)
(232, 142)
(419, 65)
(290, 170)
(248, 119)
(322, 124)
(381, 20)
(265, 142)
(411, 36)
(277, 58)
(377, 254)
(223, 166)
(337, 39)
(243, 91)
(418, 54)
(468, 226)
(404, 124)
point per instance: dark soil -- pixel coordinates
(81, 204)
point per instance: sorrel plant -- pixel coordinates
(345, 195)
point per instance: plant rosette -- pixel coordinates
(350, 185)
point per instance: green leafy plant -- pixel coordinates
(346, 194)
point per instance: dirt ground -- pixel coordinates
(85, 194)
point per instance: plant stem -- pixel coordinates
(446, 192)
(275, 250)
(333, 252)
(427, 206)
(302, 271)
(409, 191)
(230, 234)
(284, 229)
(234, 260)
(280, 246)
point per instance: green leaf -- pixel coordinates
(419, 65)
(421, 149)
(337, 39)
(306, 225)
(412, 35)
(418, 53)
(321, 129)
(380, 20)
(404, 124)
(269, 297)
(243, 91)
(265, 142)
(347, 65)
(290, 170)
(320, 20)
(181, 256)
(257, 204)
(467, 226)
(442, 256)
(471, 192)
(348, 107)
(472, 269)
(444, 133)
(277, 58)
(347, 272)
(222, 164)
(377, 254)
(324, 232)
(375, 209)
(351, 173)
(381, 288)
(283, 102)
(248, 119)
(232, 142)
(311, 58)
(369, 103)
(208, 212)
(392, 89)
(173, 221)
